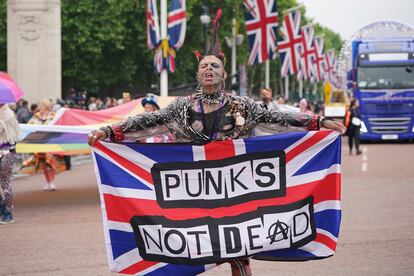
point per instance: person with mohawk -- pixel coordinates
(209, 114)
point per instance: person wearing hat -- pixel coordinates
(150, 103)
(209, 114)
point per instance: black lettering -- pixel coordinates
(234, 179)
(197, 236)
(147, 235)
(216, 185)
(232, 240)
(294, 224)
(167, 182)
(187, 186)
(271, 176)
(167, 245)
(252, 237)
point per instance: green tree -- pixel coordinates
(3, 35)
(104, 44)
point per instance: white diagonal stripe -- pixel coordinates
(131, 155)
(126, 192)
(296, 180)
(104, 155)
(318, 249)
(304, 157)
(328, 234)
(327, 205)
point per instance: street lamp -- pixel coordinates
(205, 20)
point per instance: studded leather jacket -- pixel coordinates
(234, 117)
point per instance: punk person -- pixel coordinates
(210, 113)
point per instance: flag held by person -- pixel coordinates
(180, 209)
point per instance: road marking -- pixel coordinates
(364, 158)
(365, 150)
(364, 167)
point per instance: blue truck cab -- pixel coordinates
(382, 78)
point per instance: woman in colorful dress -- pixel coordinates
(47, 163)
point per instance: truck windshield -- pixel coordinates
(386, 77)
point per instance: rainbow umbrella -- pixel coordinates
(10, 92)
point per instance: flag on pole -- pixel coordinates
(177, 23)
(179, 209)
(319, 58)
(330, 66)
(307, 54)
(261, 21)
(165, 53)
(289, 46)
(153, 27)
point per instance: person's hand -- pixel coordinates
(331, 124)
(96, 135)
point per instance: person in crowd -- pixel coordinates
(267, 101)
(92, 104)
(47, 163)
(354, 126)
(23, 112)
(305, 107)
(210, 113)
(126, 97)
(9, 134)
(280, 100)
(99, 104)
(150, 104)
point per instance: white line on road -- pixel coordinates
(365, 150)
(364, 158)
(364, 167)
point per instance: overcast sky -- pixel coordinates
(347, 16)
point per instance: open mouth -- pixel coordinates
(208, 76)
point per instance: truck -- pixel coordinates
(381, 77)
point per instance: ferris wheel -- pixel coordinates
(377, 30)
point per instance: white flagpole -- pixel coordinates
(300, 89)
(267, 82)
(233, 52)
(164, 72)
(287, 87)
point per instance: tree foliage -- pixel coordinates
(104, 44)
(3, 35)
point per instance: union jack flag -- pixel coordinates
(319, 58)
(177, 23)
(330, 66)
(153, 29)
(307, 54)
(165, 54)
(289, 47)
(261, 21)
(126, 186)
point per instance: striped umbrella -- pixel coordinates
(10, 92)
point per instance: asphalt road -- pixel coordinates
(61, 233)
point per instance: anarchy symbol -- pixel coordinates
(278, 231)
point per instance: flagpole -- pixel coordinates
(233, 52)
(287, 87)
(164, 72)
(267, 67)
(300, 89)
(292, 9)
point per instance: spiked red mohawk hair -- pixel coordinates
(215, 47)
